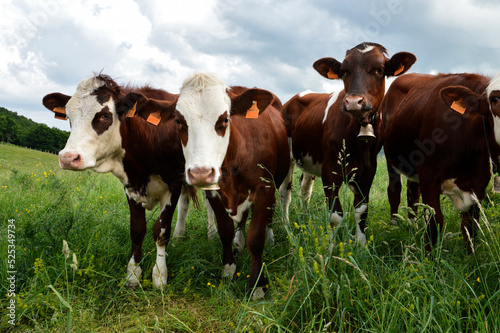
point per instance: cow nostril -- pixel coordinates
(211, 176)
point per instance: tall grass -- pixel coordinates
(319, 280)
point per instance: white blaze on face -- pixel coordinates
(204, 104)
(86, 148)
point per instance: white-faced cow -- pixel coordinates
(233, 139)
(445, 148)
(323, 129)
(108, 135)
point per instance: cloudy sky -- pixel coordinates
(51, 45)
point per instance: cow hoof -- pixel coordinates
(178, 233)
(258, 294)
(159, 277)
(393, 222)
(228, 271)
(134, 272)
(131, 281)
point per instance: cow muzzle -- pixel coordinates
(70, 161)
(202, 177)
(358, 107)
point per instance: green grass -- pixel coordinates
(319, 281)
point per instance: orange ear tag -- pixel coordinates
(131, 111)
(400, 69)
(154, 118)
(60, 110)
(253, 112)
(332, 75)
(60, 113)
(458, 106)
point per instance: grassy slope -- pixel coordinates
(318, 281)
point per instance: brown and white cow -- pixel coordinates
(107, 136)
(323, 128)
(234, 139)
(444, 147)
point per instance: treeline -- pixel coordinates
(24, 132)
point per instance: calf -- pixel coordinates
(108, 135)
(234, 141)
(323, 129)
(444, 147)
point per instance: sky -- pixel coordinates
(51, 45)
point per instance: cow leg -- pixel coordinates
(285, 191)
(469, 227)
(211, 226)
(225, 227)
(393, 191)
(412, 197)
(430, 197)
(332, 181)
(137, 233)
(182, 211)
(239, 237)
(306, 187)
(161, 235)
(262, 214)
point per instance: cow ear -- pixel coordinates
(56, 102)
(250, 103)
(328, 67)
(399, 64)
(153, 111)
(461, 99)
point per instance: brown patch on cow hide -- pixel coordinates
(222, 124)
(102, 120)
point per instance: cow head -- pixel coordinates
(203, 115)
(95, 134)
(463, 100)
(363, 71)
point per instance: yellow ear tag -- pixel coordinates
(154, 118)
(131, 111)
(458, 106)
(400, 69)
(253, 112)
(332, 75)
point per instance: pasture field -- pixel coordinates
(319, 281)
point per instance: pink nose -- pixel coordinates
(201, 176)
(353, 103)
(70, 161)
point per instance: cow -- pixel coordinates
(440, 131)
(324, 129)
(108, 135)
(235, 145)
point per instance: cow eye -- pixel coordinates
(226, 120)
(177, 121)
(380, 71)
(106, 116)
(494, 100)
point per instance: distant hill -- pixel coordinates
(24, 132)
